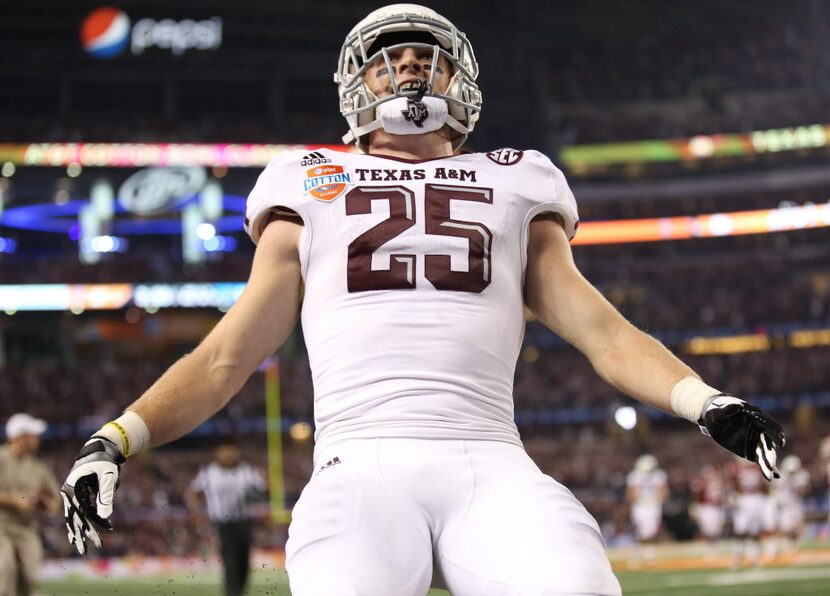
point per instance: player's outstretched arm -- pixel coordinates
(632, 361)
(195, 387)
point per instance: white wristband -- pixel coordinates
(129, 432)
(689, 397)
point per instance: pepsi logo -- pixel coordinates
(105, 32)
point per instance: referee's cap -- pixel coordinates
(24, 424)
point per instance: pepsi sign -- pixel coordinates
(107, 32)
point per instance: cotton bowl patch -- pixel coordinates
(326, 182)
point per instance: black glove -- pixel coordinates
(745, 430)
(89, 491)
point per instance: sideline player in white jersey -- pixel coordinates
(752, 517)
(647, 487)
(787, 495)
(410, 266)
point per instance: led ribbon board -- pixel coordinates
(140, 155)
(704, 226)
(578, 158)
(581, 159)
(81, 297)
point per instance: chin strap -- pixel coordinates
(358, 132)
(402, 116)
(457, 126)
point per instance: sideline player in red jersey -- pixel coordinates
(710, 492)
(751, 519)
(411, 265)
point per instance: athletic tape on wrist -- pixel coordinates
(690, 397)
(125, 438)
(129, 432)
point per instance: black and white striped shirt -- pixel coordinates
(225, 490)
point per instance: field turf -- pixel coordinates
(793, 580)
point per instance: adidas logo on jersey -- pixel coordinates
(313, 159)
(328, 464)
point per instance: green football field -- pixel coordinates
(755, 582)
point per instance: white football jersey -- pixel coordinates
(414, 273)
(649, 485)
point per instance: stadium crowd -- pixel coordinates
(691, 86)
(592, 460)
(555, 379)
(654, 69)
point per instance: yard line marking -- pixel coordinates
(765, 575)
(729, 578)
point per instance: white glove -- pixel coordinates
(89, 490)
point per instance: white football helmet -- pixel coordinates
(399, 26)
(646, 463)
(791, 464)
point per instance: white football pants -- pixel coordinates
(380, 516)
(710, 519)
(751, 515)
(647, 519)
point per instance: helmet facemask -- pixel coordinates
(380, 35)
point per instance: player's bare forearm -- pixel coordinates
(637, 364)
(558, 294)
(202, 382)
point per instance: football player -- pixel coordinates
(709, 491)
(411, 264)
(752, 516)
(647, 488)
(787, 496)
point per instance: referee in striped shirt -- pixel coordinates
(228, 485)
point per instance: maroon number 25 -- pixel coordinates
(401, 273)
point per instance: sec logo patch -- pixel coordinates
(506, 156)
(326, 182)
